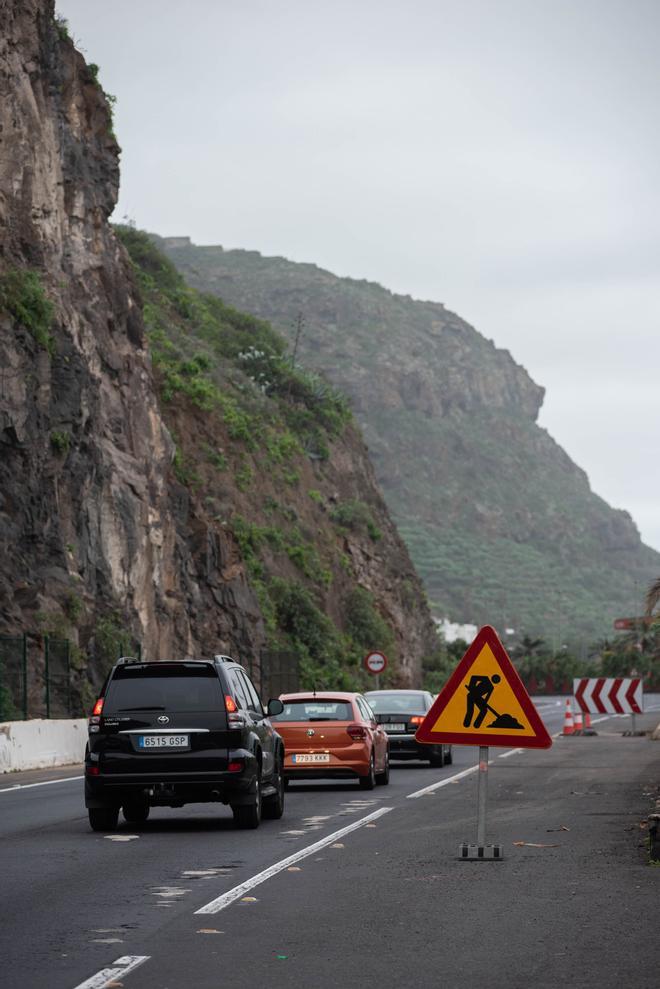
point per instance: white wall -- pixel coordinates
(38, 744)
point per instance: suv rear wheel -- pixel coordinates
(248, 816)
(103, 818)
(273, 806)
(136, 811)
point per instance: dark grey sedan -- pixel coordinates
(401, 712)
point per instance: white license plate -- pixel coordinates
(163, 741)
(311, 757)
(394, 727)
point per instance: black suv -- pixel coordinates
(164, 734)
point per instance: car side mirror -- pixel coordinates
(275, 707)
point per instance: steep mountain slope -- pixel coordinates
(190, 504)
(501, 524)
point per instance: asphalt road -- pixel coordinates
(382, 900)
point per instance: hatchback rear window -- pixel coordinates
(316, 710)
(164, 687)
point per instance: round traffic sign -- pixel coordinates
(375, 662)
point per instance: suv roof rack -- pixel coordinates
(124, 660)
(224, 659)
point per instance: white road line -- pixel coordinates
(121, 967)
(436, 786)
(505, 755)
(237, 892)
(27, 786)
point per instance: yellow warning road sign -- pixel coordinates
(484, 702)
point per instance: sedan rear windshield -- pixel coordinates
(397, 703)
(164, 687)
(316, 710)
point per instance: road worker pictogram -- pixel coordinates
(484, 702)
(479, 691)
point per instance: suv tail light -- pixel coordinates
(416, 719)
(357, 732)
(234, 718)
(98, 707)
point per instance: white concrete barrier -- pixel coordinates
(38, 744)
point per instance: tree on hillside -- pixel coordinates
(653, 597)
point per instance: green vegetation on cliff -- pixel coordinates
(501, 524)
(255, 436)
(23, 297)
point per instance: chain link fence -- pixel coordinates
(275, 673)
(13, 678)
(57, 678)
(38, 677)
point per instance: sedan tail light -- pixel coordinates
(416, 719)
(357, 732)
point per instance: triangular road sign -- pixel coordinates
(484, 702)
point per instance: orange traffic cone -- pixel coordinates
(578, 722)
(587, 721)
(568, 719)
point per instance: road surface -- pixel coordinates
(350, 887)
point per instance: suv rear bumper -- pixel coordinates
(171, 789)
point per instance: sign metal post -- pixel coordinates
(482, 795)
(484, 703)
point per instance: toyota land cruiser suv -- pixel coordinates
(165, 734)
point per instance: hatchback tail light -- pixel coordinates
(357, 732)
(416, 719)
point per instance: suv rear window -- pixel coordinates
(164, 687)
(316, 710)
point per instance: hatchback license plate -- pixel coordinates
(311, 757)
(163, 741)
(394, 727)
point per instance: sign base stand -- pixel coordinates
(490, 852)
(481, 850)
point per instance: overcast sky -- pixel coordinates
(500, 156)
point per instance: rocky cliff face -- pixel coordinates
(501, 524)
(85, 455)
(96, 528)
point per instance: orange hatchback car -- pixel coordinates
(332, 734)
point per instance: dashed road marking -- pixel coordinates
(448, 779)
(505, 755)
(121, 967)
(237, 892)
(167, 892)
